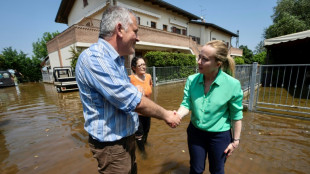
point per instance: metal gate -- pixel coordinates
(280, 89)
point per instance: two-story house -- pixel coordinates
(162, 27)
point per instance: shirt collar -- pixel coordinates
(109, 49)
(218, 80)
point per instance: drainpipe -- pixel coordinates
(210, 35)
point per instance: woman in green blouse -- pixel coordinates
(214, 98)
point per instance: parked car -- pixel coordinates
(64, 79)
(6, 79)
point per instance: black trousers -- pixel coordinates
(144, 126)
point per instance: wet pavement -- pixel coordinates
(41, 131)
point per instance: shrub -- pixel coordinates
(239, 60)
(163, 59)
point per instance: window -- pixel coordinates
(165, 27)
(196, 39)
(138, 20)
(85, 3)
(184, 32)
(175, 30)
(153, 24)
(88, 24)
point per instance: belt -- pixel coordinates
(110, 143)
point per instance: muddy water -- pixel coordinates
(41, 131)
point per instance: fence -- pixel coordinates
(47, 77)
(172, 74)
(284, 90)
(281, 89)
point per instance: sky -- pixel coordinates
(24, 22)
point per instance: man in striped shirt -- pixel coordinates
(109, 99)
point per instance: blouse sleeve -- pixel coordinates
(235, 104)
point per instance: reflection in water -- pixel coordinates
(41, 131)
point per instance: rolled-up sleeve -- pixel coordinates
(113, 86)
(235, 103)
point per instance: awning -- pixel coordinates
(142, 44)
(287, 38)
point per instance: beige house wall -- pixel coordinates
(78, 11)
(54, 59)
(207, 33)
(148, 12)
(65, 60)
(218, 35)
(145, 10)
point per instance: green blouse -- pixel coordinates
(214, 111)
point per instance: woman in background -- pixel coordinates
(143, 82)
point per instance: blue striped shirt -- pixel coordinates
(107, 96)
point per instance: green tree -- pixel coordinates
(11, 58)
(30, 68)
(239, 60)
(39, 48)
(74, 56)
(290, 16)
(247, 54)
(2, 61)
(259, 47)
(260, 57)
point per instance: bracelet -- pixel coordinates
(236, 139)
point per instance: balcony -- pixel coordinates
(87, 31)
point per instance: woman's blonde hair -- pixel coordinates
(221, 55)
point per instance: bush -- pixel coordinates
(163, 59)
(239, 60)
(260, 58)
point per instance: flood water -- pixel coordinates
(41, 131)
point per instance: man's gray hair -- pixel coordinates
(111, 16)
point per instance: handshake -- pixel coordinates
(173, 119)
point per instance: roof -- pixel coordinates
(63, 11)
(215, 26)
(287, 38)
(173, 8)
(66, 6)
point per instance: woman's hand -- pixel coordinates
(140, 89)
(230, 148)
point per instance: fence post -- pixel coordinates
(154, 75)
(252, 86)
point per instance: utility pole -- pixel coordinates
(237, 40)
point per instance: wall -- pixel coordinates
(149, 12)
(65, 55)
(78, 11)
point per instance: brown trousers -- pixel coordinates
(115, 157)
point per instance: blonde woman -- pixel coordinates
(214, 98)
